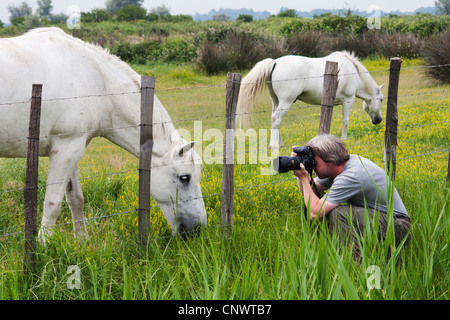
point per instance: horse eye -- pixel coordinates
(185, 178)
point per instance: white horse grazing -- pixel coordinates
(292, 78)
(107, 105)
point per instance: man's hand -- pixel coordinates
(302, 173)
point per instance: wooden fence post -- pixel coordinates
(31, 180)
(330, 83)
(448, 167)
(145, 155)
(390, 136)
(233, 87)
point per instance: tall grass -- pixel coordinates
(274, 252)
(284, 258)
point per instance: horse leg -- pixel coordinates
(277, 116)
(346, 106)
(75, 200)
(63, 162)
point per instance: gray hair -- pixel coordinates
(330, 148)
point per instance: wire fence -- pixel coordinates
(441, 149)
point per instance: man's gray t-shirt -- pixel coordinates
(360, 184)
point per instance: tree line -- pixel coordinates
(130, 10)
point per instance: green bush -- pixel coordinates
(124, 51)
(245, 18)
(349, 24)
(131, 13)
(423, 25)
(96, 15)
(139, 53)
(178, 50)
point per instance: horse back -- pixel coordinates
(69, 70)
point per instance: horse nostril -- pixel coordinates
(187, 233)
(377, 120)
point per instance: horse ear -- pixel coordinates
(188, 146)
(381, 87)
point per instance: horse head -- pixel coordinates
(176, 188)
(373, 105)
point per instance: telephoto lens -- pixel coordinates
(285, 164)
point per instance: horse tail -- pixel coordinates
(251, 84)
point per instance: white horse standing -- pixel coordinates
(67, 67)
(292, 78)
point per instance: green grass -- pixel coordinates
(273, 253)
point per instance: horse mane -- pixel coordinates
(163, 126)
(364, 75)
(351, 56)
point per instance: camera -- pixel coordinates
(305, 155)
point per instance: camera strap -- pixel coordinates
(314, 187)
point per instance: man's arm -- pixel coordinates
(318, 206)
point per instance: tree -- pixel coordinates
(287, 13)
(115, 5)
(45, 8)
(162, 12)
(221, 17)
(96, 15)
(32, 21)
(20, 11)
(245, 18)
(442, 6)
(130, 13)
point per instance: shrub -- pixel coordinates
(424, 25)
(309, 43)
(123, 50)
(147, 51)
(335, 24)
(400, 45)
(294, 26)
(288, 13)
(348, 24)
(178, 50)
(237, 50)
(363, 45)
(437, 52)
(96, 15)
(245, 18)
(139, 53)
(131, 13)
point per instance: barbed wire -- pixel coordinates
(193, 119)
(86, 220)
(237, 154)
(221, 115)
(206, 117)
(211, 86)
(87, 96)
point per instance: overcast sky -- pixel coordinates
(204, 6)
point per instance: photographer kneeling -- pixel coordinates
(354, 183)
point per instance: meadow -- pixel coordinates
(273, 252)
